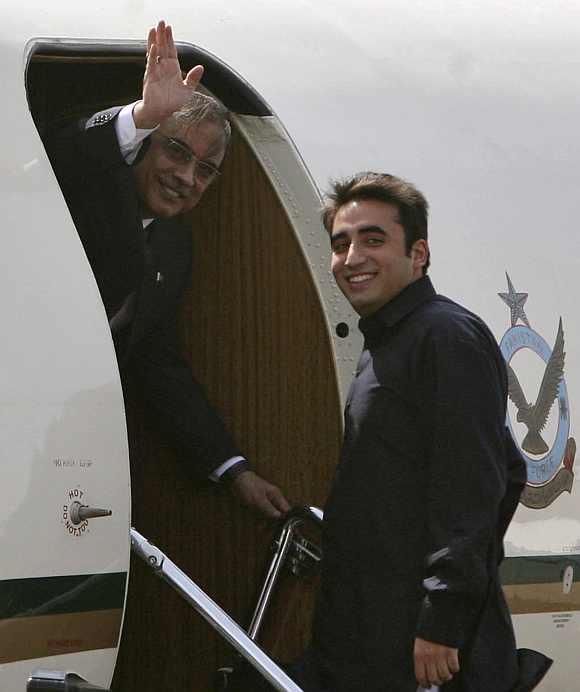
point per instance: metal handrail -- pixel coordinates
(244, 643)
(167, 570)
(292, 520)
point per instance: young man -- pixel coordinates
(128, 174)
(428, 478)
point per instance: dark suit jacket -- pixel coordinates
(101, 194)
(427, 484)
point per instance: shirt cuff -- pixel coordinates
(446, 619)
(128, 136)
(237, 464)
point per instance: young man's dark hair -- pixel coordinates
(382, 187)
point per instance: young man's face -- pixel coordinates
(169, 179)
(369, 261)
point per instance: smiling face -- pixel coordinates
(369, 260)
(168, 184)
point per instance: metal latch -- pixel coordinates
(60, 681)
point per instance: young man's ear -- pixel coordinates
(420, 253)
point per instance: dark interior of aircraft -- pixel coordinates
(255, 333)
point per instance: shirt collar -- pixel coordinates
(399, 307)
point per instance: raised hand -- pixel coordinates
(164, 89)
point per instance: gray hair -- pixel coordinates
(203, 108)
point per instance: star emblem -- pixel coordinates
(515, 302)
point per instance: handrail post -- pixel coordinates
(292, 520)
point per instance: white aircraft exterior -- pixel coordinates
(476, 103)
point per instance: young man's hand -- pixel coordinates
(435, 664)
(164, 89)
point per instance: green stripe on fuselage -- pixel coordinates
(57, 595)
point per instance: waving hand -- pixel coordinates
(164, 89)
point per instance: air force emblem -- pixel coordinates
(549, 468)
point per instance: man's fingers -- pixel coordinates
(164, 88)
(150, 38)
(278, 500)
(269, 510)
(257, 493)
(264, 503)
(151, 56)
(421, 674)
(194, 76)
(275, 501)
(433, 675)
(453, 662)
(435, 664)
(170, 44)
(160, 39)
(442, 671)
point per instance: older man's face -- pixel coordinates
(178, 167)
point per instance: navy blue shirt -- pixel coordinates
(415, 518)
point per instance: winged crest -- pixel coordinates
(535, 416)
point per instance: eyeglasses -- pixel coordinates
(179, 153)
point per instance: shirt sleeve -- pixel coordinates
(226, 466)
(466, 485)
(129, 137)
